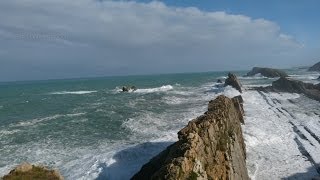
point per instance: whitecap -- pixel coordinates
(72, 92)
(152, 90)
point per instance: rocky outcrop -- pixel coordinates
(315, 67)
(267, 72)
(233, 81)
(128, 88)
(27, 171)
(209, 147)
(294, 86)
(219, 81)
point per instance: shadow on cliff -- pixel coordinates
(312, 173)
(129, 161)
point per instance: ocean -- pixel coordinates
(89, 129)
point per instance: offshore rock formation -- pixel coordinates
(233, 81)
(209, 147)
(26, 171)
(315, 67)
(128, 88)
(294, 86)
(267, 72)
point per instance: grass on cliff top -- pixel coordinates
(37, 173)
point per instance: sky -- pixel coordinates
(56, 39)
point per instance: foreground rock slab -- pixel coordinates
(209, 147)
(27, 171)
(267, 72)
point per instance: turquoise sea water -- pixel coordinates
(57, 122)
(88, 129)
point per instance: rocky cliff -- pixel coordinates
(267, 72)
(315, 67)
(209, 147)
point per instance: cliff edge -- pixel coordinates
(209, 147)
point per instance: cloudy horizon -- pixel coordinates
(57, 39)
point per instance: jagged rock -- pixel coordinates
(128, 88)
(267, 72)
(26, 171)
(293, 86)
(233, 81)
(315, 67)
(219, 81)
(209, 147)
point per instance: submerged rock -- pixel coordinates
(267, 72)
(128, 88)
(26, 171)
(315, 67)
(233, 81)
(209, 147)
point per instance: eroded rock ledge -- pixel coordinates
(293, 86)
(26, 171)
(209, 147)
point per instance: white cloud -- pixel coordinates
(101, 38)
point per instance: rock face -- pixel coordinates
(128, 88)
(294, 86)
(267, 72)
(209, 147)
(233, 81)
(27, 171)
(315, 67)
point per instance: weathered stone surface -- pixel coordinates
(294, 86)
(128, 88)
(233, 81)
(26, 171)
(267, 72)
(315, 67)
(209, 147)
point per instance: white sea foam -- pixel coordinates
(272, 152)
(157, 89)
(72, 92)
(35, 121)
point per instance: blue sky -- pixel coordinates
(52, 39)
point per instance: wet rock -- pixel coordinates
(26, 171)
(219, 81)
(233, 81)
(267, 72)
(128, 88)
(293, 86)
(315, 67)
(209, 147)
